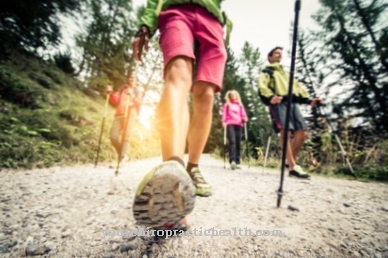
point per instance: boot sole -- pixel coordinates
(166, 195)
(300, 177)
(205, 193)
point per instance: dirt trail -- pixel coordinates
(64, 212)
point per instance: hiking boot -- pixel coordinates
(238, 166)
(233, 165)
(203, 189)
(299, 173)
(165, 195)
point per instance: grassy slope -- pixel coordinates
(48, 118)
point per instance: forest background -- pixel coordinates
(52, 100)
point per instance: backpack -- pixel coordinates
(268, 71)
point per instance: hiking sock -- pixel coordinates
(190, 166)
(175, 158)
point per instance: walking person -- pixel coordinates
(273, 90)
(127, 101)
(233, 118)
(183, 25)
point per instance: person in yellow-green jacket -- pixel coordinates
(273, 90)
(194, 54)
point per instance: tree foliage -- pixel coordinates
(32, 25)
(344, 61)
(106, 42)
(347, 56)
(249, 70)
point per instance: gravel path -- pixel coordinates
(65, 212)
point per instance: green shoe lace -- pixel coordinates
(202, 187)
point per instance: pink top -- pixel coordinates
(233, 114)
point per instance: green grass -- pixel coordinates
(48, 118)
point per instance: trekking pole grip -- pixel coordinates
(298, 4)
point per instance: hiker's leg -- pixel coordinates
(176, 43)
(297, 143)
(125, 145)
(300, 130)
(115, 133)
(289, 154)
(173, 113)
(160, 185)
(232, 143)
(238, 130)
(278, 113)
(203, 97)
(208, 80)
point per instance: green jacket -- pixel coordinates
(154, 7)
(277, 84)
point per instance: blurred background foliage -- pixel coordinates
(52, 97)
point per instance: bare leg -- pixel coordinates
(153, 205)
(203, 98)
(173, 112)
(289, 154)
(114, 134)
(297, 143)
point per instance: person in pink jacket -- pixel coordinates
(233, 118)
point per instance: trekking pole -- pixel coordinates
(289, 99)
(246, 140)
(266, 153)
(102, 128)
(225, 146)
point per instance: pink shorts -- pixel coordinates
(179, 26)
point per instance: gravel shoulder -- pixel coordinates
(68, 212)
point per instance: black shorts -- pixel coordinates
(278, 115)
